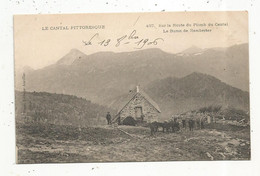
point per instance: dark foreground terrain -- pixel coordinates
(47, 143)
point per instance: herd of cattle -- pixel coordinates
(175, 125)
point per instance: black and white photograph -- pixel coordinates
(132, 87)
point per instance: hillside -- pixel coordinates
(59, 109)
(178, 95)
(102, 76)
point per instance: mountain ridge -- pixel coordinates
(196, 90)
(70, 57)
(103, 76)
(192, 50)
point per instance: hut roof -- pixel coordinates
(132, 94)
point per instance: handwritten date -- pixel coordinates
(132, 38)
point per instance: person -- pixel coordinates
(142, 117)
(191, 124)
(198, 121)
(184, 123)
(202, 124)
(119, 120)
(108, 117)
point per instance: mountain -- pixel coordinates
(69, 58)
(194, 91)
(192, 50)
(103, 76)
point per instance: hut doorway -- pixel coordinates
(138, 112)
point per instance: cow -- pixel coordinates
(175, 126)
(153, 127)
(166, 126)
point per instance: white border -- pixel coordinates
(7, 130)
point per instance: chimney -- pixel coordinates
(137, 88)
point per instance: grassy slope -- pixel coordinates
(42, 143)
(60, 108)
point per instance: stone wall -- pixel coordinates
(149, 112)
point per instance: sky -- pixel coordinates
(41, 40)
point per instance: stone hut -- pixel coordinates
(139, 106)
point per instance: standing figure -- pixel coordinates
(119, 120)
(191, 124)
(198, 124)
(183, 123)
(108, 117)
(142, 117)
(202, 124)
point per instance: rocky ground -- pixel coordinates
(45, 143)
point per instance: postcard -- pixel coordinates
(132, 87)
